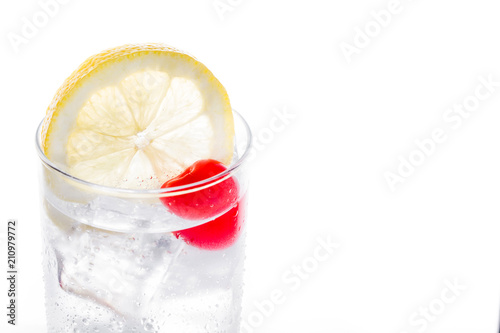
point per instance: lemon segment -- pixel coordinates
(136, 116)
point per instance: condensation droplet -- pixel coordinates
(148, 325)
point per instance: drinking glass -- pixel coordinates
(122, 260)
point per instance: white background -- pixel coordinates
(323, 174)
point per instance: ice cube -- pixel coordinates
(118, 270)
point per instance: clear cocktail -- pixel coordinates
(144, 257)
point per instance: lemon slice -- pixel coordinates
(137, 115)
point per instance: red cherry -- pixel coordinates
(206, 203)
(217, 234)
(221, 232)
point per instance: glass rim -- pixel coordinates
(152, 192)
